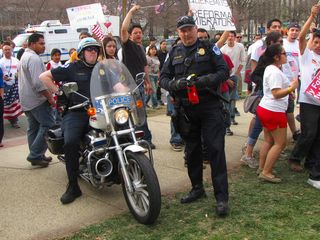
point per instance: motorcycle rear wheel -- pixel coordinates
(145, 201)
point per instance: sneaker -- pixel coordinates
(314, 183)
(233, 122)
(229, 132)
(249, 161)
(244, 149)
(176, 147)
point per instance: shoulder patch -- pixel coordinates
(216, 50)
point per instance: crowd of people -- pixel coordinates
(202, 78)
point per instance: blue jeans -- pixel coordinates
(153, 96)
(145, 127)
(40, 119)
(170, 107)
(255, 132)
(175, 137)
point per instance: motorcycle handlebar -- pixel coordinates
(80, 105)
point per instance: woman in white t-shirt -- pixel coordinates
(272, 110)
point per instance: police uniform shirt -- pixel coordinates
(75, 72)
(201, 59)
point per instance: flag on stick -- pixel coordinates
(96, 29)
(159, 8)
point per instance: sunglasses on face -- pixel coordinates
(239, 36)
(92, 49)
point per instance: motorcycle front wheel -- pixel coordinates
(145, 200)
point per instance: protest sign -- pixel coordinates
(212, 14)
(85, 15)
(314, 87)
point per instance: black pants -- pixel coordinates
(1, 119)
(207, 122)
(74, 126)
(308, 144)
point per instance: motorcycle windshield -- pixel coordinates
(112, 80)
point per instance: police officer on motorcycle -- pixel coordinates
(198, 67)
(75, 122)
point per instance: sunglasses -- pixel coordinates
(239, 37)
(92, 49)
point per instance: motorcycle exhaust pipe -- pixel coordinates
(104, 167)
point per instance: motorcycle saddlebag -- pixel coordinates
(55, 140)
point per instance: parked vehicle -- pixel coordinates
(112, 151)
(58, 35)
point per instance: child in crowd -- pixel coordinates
(55, 59)
(153, 66)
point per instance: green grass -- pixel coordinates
(259, 210)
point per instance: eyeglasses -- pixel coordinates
(239, 37)
(92, 49)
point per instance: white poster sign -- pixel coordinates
(85, 15)
(212, 14)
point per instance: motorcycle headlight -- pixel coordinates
(121, 116)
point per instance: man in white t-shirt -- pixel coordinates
(308, 144)
(9, 65)
(291, 46)
(258, 48)
(237, 54)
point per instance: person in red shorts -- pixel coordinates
(272, 110)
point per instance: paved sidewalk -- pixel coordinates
(30, 206)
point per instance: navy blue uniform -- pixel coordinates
(75, 123)
(206, 118)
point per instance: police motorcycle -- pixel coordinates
(112, 152)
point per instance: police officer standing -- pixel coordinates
(75, 122)
(198, 67)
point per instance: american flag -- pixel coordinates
(96, 29)
(12, 108)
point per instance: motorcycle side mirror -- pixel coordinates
(139, 80)
(70, 87)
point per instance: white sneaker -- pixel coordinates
(249, 161)
(314, 183)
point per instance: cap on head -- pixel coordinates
(294, 25)
(86, 42)
(186, 21)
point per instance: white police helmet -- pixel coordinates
(86, 42)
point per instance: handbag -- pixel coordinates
(251, 103)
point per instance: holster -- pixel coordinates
(181, 121)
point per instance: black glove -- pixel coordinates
(179, 84)
(207, 81)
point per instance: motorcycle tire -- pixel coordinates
(145, 201)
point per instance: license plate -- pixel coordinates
(119, 100)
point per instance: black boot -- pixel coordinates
(73, 191)
(196, 192)
(222, 209)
